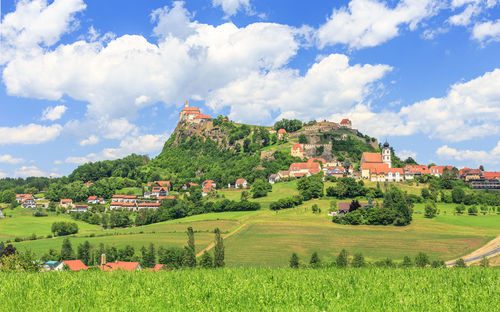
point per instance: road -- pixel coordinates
(489, 250)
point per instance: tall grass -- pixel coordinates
(368, 289)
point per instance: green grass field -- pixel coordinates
(368, 289)
(265, 238)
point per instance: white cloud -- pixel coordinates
(487, 31)
(29, 134)
(404, 154)
(469, 110)
(173, 22)
(231, 7)
(29, 171)
(144, 144)
(368, 23)
(129, 73)
(54, 113)
(476, 157)
(35, 23)
(91, 140)
(54, 175)
(58, 162)
(329, 85)
(10, 160)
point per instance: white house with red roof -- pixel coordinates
(437, 171)
(241, 183)
(66, 202)
(28, 203)
(21, 197)
(297, 150)
(93, 200)
(304, 169)
(73, 265)
(159, 191)
(282, 134)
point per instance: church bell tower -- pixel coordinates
(386, 154)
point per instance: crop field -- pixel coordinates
(367, 289)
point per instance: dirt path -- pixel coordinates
(489, 250)
(212, 244)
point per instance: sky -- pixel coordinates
(89, 80)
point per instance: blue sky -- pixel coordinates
(92, 80)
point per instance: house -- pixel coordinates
(375, 161)
(188, 185)
(122, 205)
(160, 198)
(50, 265)
(93, 200)
(368, 168)
(241, 183)
(489, 181)
(121, 265)
(468, 174)
(297, 150)
(208, 183)
(308, 168)
(274, 178)
(284, 174)
(66, 203)
(148, 205)
(281, 134)
(437, 171)
(28, 203)
(79, 208)
(159, 191)
(491, 175)
(346, 123)
(20, 197)
(208, 186)
(124, 198)
(337, 172)
(345, 206)
(158, 267)
(73, 265)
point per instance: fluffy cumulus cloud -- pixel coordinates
(469, 110)
(29, 171)
(331, 84)
(231, 7)
(143, 144)
(54, 113)
(35, 24)
(368, 23)
(487, 31)
(29, 134)
(91, 140)
(8, 159)
(477, 157)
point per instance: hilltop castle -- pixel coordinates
(192, 114)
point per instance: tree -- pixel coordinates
(358, 261)
(149, 256)
(190, 254)
(460, 263)
(64, 228)
(7, 196)
(481, 167)
(315, 208)
(83, 252)
(206, 260)
(425, 193)
(126, 253)
(341, 260)
(302, 139)
(245, 195)
(430, 209)
(484, 209)
(406, 262)
(396, 200)
(472, 210)
(484, 262)
(8, 251)
(457, 195)
(315, 261)
(2, 248)
(438, 264)
(67, 250)
(294, 261)
(460, 208)
(260, 188)
(218, 250)
(421, 260)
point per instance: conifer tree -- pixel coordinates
(315, 261)
(67, 250)
(341, 260)
(83, 252)
(358, 261)
(406, 262)
(218, 250)
(421, 260)
(189, 252)
(294, 261)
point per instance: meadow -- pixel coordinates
(473, 289)
(266, 239)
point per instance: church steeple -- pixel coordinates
(187, 104)
(386, 154)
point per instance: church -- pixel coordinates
(378, 167)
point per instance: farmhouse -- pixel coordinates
(159, 191)
(20, 197)
(437, 171)
(337, 171)
(73, 265)
(121, 265)
(274, 178)
(66, 202)
(344, 207)
(241, 183)
(28, 203)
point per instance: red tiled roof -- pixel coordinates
(202, 116)
(66, 200)
(417, 168)
(26, 199)
(159, 188)
(122, 204)
(345, 121)
(299, 174)
(120, 265)
(375, 167)
(284, 172)
(163, 183)
(439, 169)
(297, 146)
(372, 157)
(149, 204)
(281, 131)
(240, 181)
(186, 109)
(304, 166)
(158, 267)
(192, 184)
(118, 196)
(92, 198)
(491, 175)
(75, 265)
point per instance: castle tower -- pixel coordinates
(386, 154)
(187, 104)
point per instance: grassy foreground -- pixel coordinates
(369, 289)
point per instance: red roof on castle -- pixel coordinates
(191, 109)
(297, 146)
(281, 131)
(202, 116)
(345, 121)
